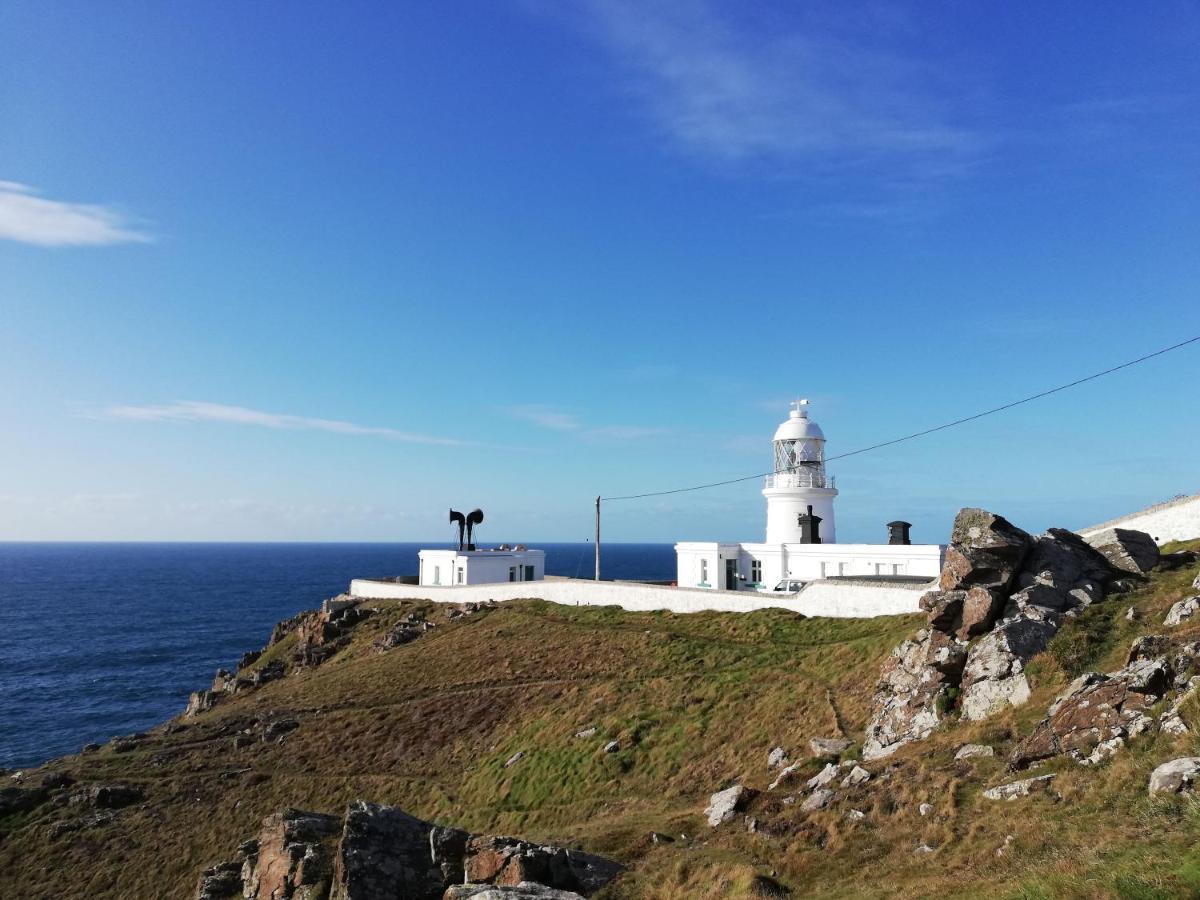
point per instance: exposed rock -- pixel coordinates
(56, 781)
(82, 823)
(587, 732)
(1148, 646)
(612, 747)
(1017, 789)
(219, 882)
(408, 629)
(985, 550)
(855, 815)
(107, 796)
(385, 852)
(1176, 776)
(785, 774)
(526, 890)
(972, 751)
(200, 701)
(776, 758)
(293, 852)
(1182, 611)
(1093, 718)
(724, 805)
(824, 777)
(913, 680)
(1131, 614)
(858, 775)
(829, 746)
(1129, 551)
(924, 809)
(20, 799)
(924, 848)
(508, 861)
(994, 674)
(982, 606)
(514, 759)
(249, 658)
(819, 799)
(273, 732)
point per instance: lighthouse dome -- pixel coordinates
(799, 426)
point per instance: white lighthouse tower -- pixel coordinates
(798, 491)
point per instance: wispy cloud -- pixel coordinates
(194, 411)
(30, 219)
(801, 91)
(545, 418)
(558, 420)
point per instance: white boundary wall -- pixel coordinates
(821, 598)
(1176, 520)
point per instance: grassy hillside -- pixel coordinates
(695, 703)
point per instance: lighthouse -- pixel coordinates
(799, 492)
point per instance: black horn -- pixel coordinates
(474, 517)
(458, 517)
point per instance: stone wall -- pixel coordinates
(819, 598)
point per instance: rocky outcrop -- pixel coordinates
(379, 852)
(1182, 611)
(912, 688)
(1130, 551)
(526, 890)
(828, 746)
(1003, 594)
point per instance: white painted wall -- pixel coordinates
(786, 505)
(807, 562)
(836, 600)
(440, 567)
(1176, 520)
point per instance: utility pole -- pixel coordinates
(597, 539)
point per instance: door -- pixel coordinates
(529, 573)
(731, 575)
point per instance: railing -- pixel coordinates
(800, 480)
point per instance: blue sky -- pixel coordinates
(296, 271)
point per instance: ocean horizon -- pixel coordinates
(109, 637)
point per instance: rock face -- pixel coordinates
(380, 852)
(1176, 776)
(526, 890)
(974, 751)
(1130, 551)
(828, 746)
(917, 675)
(1002, 596)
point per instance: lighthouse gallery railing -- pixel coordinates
(801, 480)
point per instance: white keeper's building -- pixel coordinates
(801, 539)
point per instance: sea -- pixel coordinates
(99, 639)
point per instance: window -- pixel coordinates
(460, 574)
(437, 574)
(756, 571)
(512, 573)
(704, 571)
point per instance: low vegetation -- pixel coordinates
(694, 704)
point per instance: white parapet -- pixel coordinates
(849, 599)
(1175, 520)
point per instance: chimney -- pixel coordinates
(898, 532)
(810, 527)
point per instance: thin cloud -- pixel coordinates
(557, 420)
(544, 417)
(30, 219)
(194, 411)
(800, 94)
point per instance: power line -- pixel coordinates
(917, 434)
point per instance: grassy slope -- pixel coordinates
(695, 702)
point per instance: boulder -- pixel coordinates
(1176, 776)
(819, 799)
(973, 751)
(588, 732)
(526, 890)
(829, 746)
(509, 861)
(612, 747)
(1017, 789)
(912, 682)
(994, 675)
(824, 777)
(776, 758)
(220, 882)
(1129, 551)
(200, 701)
(785, 774)
(20, 799)
(724, 805)
(106, 796)
(981, 607)
(985, 550)
(1182, 611)
(385, 852)
(514, 759)
(858, 775)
